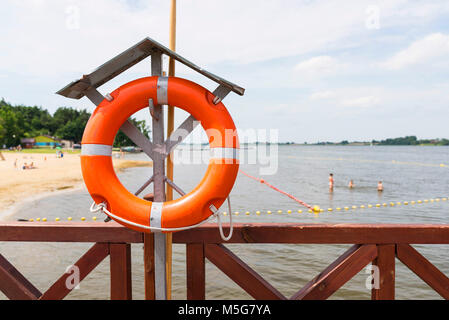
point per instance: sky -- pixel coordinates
(313, 70)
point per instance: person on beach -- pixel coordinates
(351, 184)
(15, 164)
(380, 186)
(331, 182)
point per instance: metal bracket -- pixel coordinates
(220, 93)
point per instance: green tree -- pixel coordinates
(122, 140)
(70, 123)
(12, 131)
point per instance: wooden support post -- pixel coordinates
(196, 271)
(120, 261)
(170, 128)
(14, 285)
(385, 264)
(423, 269)
(148, 261)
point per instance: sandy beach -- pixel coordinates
(51, 174)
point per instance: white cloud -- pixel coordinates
(322, 95)
(361, 102)
(43, 37)
(319, 66)
(427, 49)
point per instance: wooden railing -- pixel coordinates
(379, 244)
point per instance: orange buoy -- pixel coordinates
(192, 208)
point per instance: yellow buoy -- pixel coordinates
(310, 210)
(224, 213)
(354, 207)
(38, 219)
(405, 202)
(316, 208)
(444, 199)
(362, 206)
(370, 206)
(57, 219)
(258, 213)
(269, 212)
(247, 213)
(82, 218)
(413, 202)
(69, 218)
(44, 219)
(437, 200)
(236, 213)
(289, 211)
(384, 204)
(329, 209)
(398, 203)
(94, 218)
(378, 205)
(299, 211)
(392, 204)
(31, 220)
(346, 208)
(419, 201)
(338, 209)
(279, 211)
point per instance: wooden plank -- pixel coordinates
(319, 233)
(68, 232)
(14, 285)
(120, 260)
(196, 271)
(241, 273)
(338, 273)
(243, 233)
(148, 261)
(423, 269)
(59, 290)
(385, 263)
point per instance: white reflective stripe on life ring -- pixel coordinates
(162, 90)
(96, 150)
(156, 215)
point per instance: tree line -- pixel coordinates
(411, 141)
(17, 122)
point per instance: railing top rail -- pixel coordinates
(294, 233)
(68, 232)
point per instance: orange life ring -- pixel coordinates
(139, 214)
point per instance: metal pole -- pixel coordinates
(160, 274)
(170, 128)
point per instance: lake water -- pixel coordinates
(408, 173)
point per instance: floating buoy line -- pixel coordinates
(314, 210)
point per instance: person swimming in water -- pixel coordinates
(351, 184)
(380, 186)
(331, 182)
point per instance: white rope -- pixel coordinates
(231, 227)
(216, 213)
